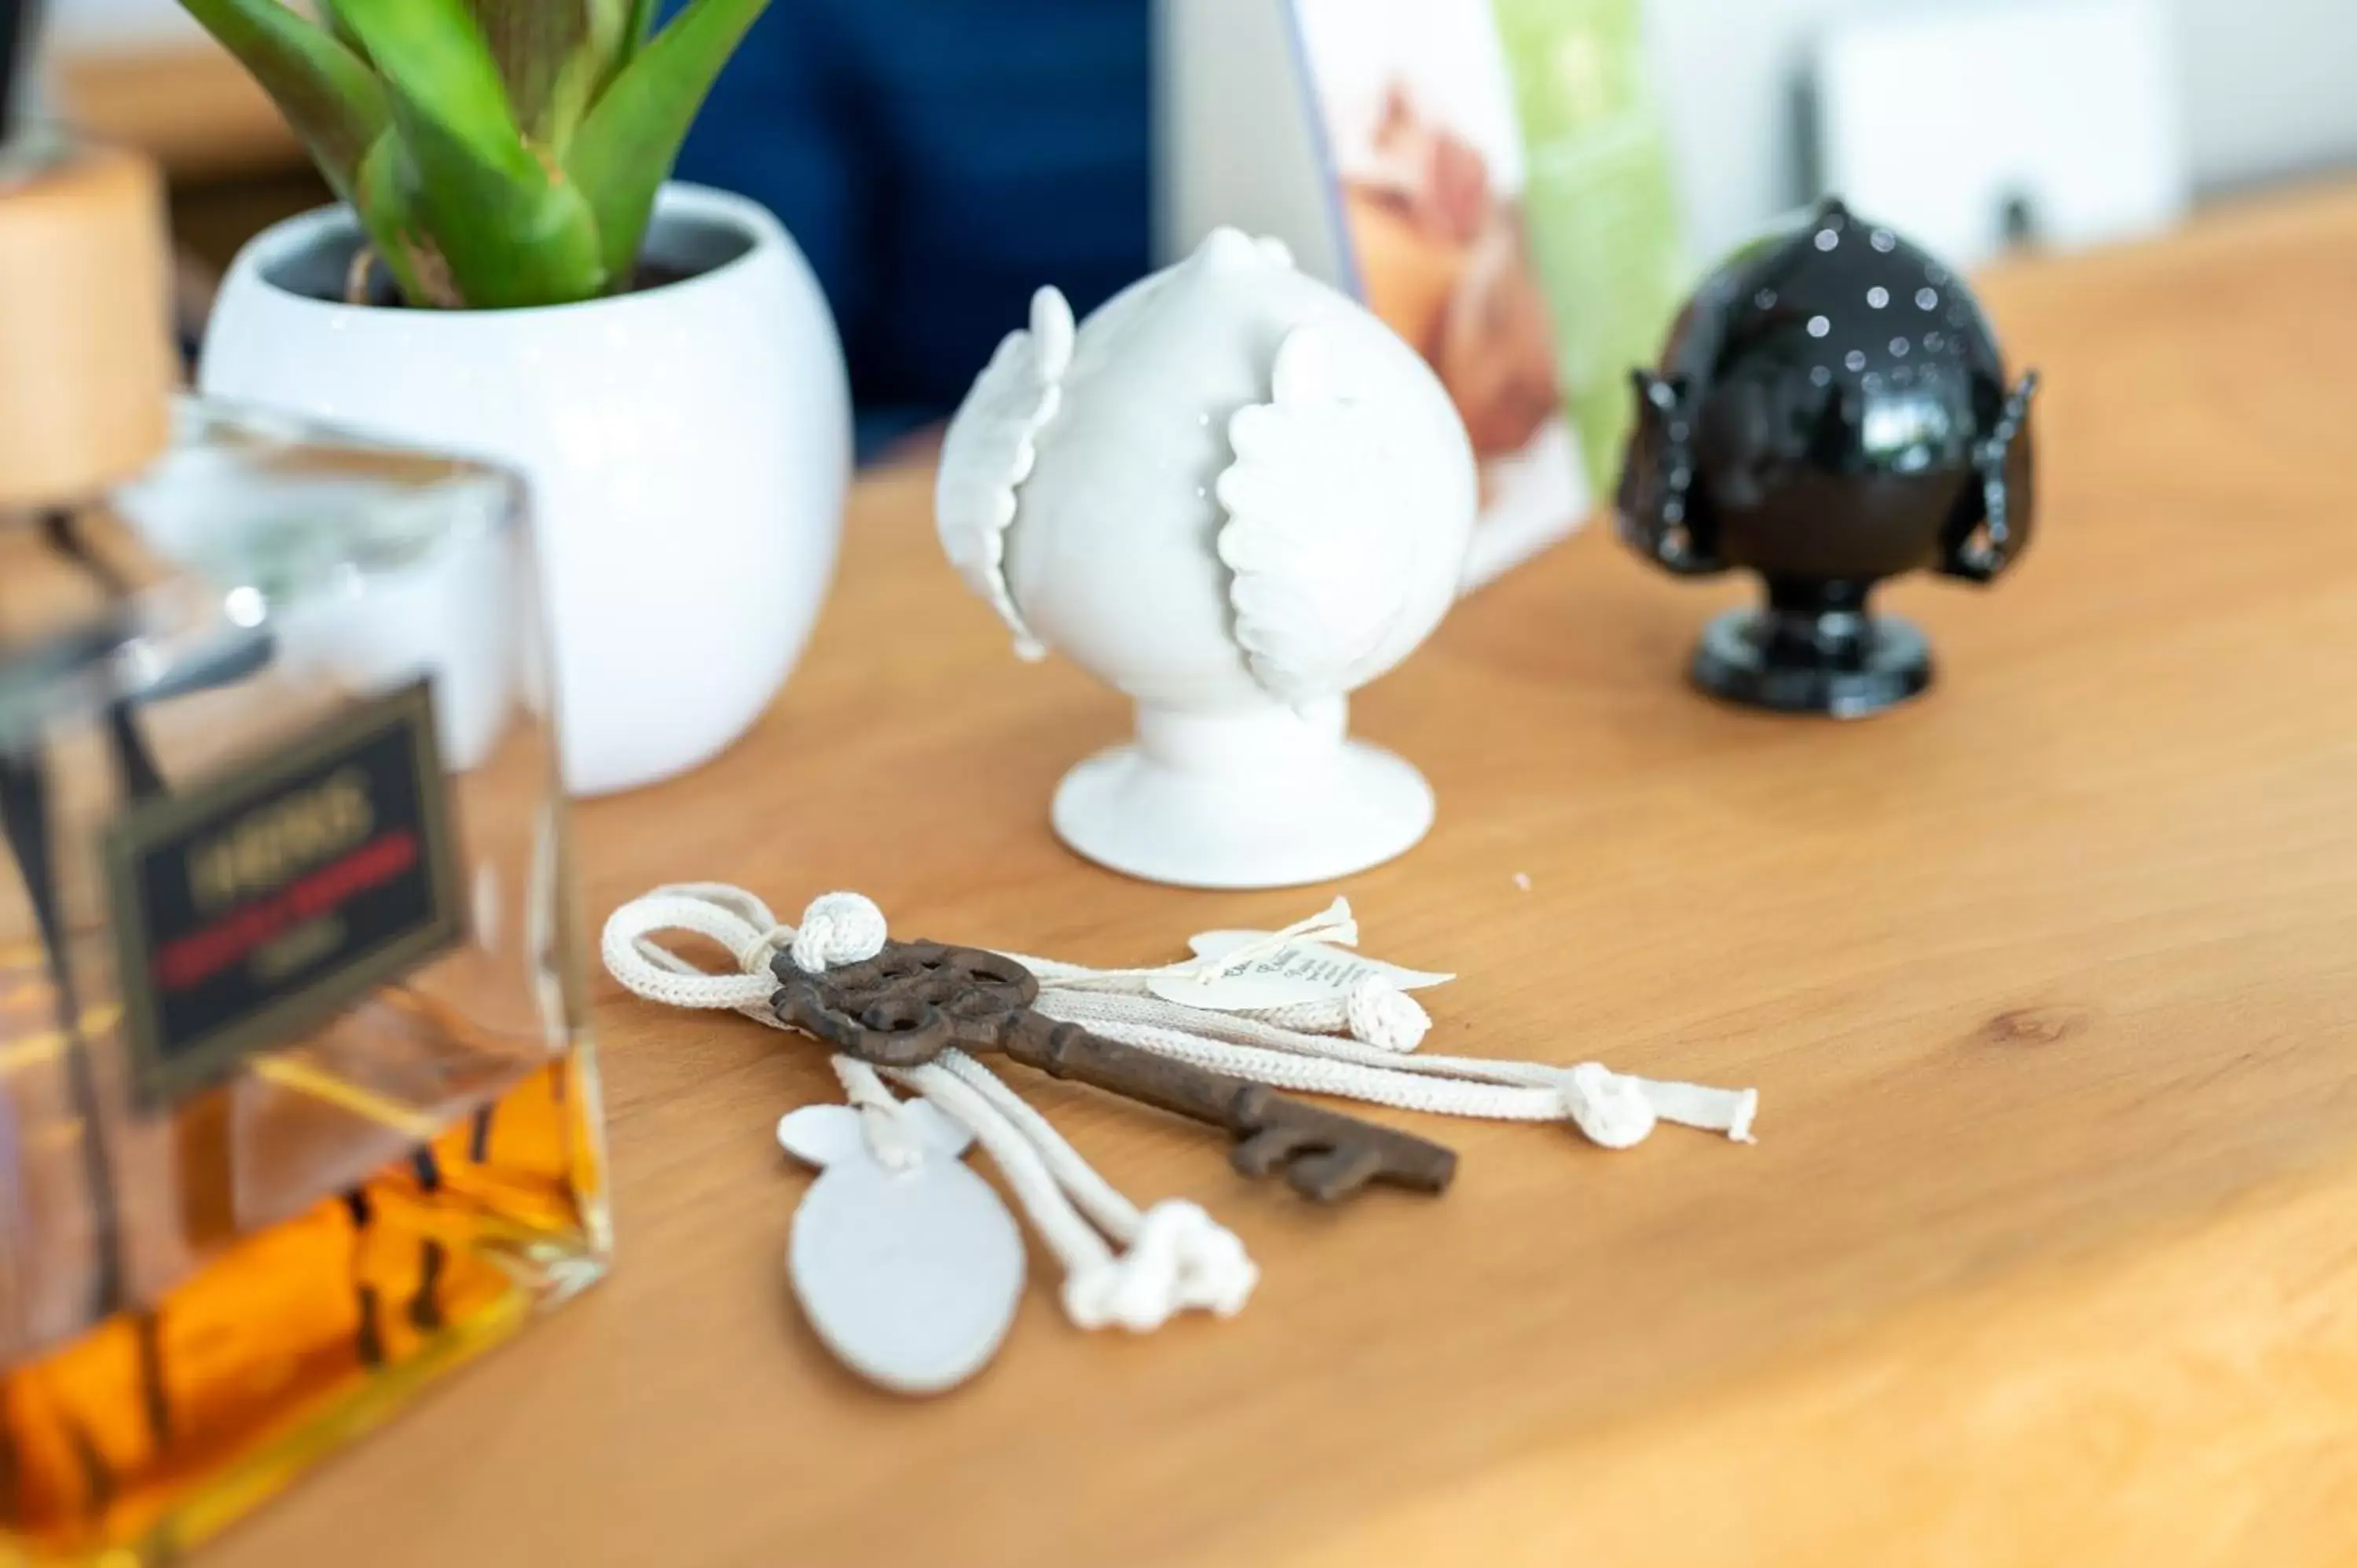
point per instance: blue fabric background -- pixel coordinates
(938, 160)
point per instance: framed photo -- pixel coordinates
(1490, 176)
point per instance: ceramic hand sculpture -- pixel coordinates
(1831, 410)
(1235, 496)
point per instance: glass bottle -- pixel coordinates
(297, 1108)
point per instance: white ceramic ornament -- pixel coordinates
(1236, 496)
(909, 1275)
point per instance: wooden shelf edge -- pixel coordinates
(191, 107)
(2096, 1413)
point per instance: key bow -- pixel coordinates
(909, 1003)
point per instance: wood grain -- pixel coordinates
(2049, 1249)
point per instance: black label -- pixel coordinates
(252, 906)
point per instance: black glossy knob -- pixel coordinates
(1831, 410)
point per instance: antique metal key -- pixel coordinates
(915, 1000)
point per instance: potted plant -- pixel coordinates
(508, 275)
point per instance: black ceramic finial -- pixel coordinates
(1831, 410)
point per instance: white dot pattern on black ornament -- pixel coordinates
(1829, 351)
(1839, 291)
(1834, 326)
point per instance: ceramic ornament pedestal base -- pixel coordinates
(1264, 798)
(1813, 651)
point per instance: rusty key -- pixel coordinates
(915, 1000)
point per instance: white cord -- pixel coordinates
(1374, 1011)
(1177, 1256)
(1614, 1109)
(882, 1120)
(1333, 924)
(1359, 1047)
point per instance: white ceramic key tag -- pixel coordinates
(910, 1276)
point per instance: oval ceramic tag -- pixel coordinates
(910, 1276)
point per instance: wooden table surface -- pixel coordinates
(2047, 1253)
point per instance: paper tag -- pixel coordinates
(1300, 971)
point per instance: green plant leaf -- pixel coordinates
(396, 237)
(638, 23)
(325, 89)
(625, 150)
(334, 20)
(437, 70)
(506, 241)
(553, 54)
(486, 213)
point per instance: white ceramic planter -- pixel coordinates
(687, 447)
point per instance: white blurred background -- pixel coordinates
(1966, 123)
(2264, 87)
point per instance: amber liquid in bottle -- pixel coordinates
(228, 1247)
(163, 1424)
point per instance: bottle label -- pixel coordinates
(252, 906)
